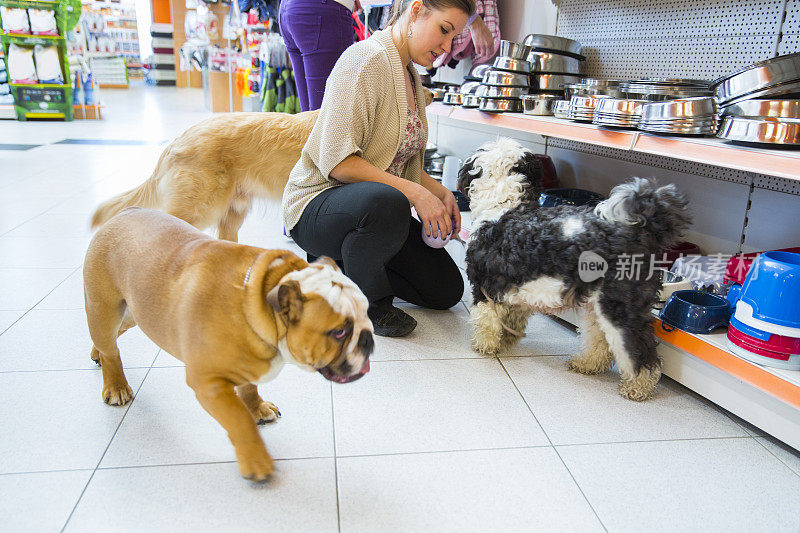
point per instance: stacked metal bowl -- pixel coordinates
(683, 116)
(766, 79)
(761, 103)
(618, 112)
(555, 62)
(662, 89)
(506, 81)
(764, 122)
(582, 108)
(595, 87)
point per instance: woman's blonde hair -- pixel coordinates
(401, 6)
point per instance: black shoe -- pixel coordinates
(393, 323)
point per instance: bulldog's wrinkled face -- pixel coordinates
(328, 329)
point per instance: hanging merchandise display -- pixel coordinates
(108, 33)
(278, 91)
(267, 9)
(35, 49)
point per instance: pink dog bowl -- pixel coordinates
(776, 351)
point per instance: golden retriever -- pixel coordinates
(210, 175)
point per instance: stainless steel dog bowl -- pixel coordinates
(765, 108)
(539, 104)
(453, 98)
(561, 109)
(514, 50)
(775, 131)
(493, 91)
(435, 166)
(581, 108)
(438, 94)
(512, 65)
(497, 105)
(620, 106)
(553, 62)
(661, 92)
(594, 87)
(619, 113)
(478, 71)
(756, 78)
(674, 82)
(552, 42)
(470, 101)
(505, 79)
(685, 108)
(469, 87)
(551, 82)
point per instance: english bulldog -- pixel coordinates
(234, 314)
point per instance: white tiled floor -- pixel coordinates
(435, 438)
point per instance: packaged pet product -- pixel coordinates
(43, 21)
(15, 20)
(20, 64)
(48, 67)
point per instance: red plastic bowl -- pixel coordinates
(777, 347)
(739, 265)
(670, 255)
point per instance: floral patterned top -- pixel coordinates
(411, 144)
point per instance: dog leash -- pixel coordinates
(496, 312)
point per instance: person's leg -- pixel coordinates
(363, 225)
(334, 37)
(424, 276)
(287, 26)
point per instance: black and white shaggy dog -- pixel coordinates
(523, 258)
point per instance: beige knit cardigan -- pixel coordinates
(363, 113)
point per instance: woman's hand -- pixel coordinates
(482, 39)
(433, 213)
(450, 203)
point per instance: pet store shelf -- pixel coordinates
(31, 39)
(712, 151)
(767, 397)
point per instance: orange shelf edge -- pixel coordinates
(722, 155)
(734, 366)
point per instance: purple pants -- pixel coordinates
(316, 33)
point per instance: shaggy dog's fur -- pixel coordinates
(210, 175)
(523, 258)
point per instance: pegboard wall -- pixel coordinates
(678, 38)
(759, 181)
(702, 39)
(790, 38)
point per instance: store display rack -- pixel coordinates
(116, 52)
(6, 109)
(708, 150)
(44, 100)
(766, 397)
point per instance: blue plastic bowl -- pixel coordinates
(555, 197)
(772, 289)
(696, 311)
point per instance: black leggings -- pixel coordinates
(368, 229)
